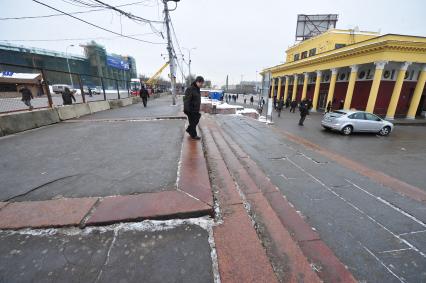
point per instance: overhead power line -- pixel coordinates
(74, 13)
(75, 39)
(97, 26)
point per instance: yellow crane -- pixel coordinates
(153, 80)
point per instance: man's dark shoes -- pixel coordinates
(196, 138)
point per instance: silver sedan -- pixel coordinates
(349, 121)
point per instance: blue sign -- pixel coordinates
(7, 74)
(117, 63)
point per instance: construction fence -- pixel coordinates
(47, 86)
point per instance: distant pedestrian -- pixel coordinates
(329, 106)
(341, 104)
(280, 106)
(293, 106)
(89, 90)
(143, 93)
(27, 95)
(251, 100)
(303, 108)
(245, 98)
(67, 97)
(39, 89)
(275, 102)
(287, 102)
(263, 101)
(192, 103)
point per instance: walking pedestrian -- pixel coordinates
(263, 101)
(27, 95)
(192, 103)
(245, 98)
(143, 93)
(280, 106)
(251, 100)
(287, 102)
(341, 104)
(67, 97)
(293, 106)
(303, 112)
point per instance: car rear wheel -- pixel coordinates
(347, 130)
(385, 131)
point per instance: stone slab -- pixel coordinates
(66, 112)
(177, 254)
(42, 214)
(81, 109)
(164, 205)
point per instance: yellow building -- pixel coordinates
(384, 74)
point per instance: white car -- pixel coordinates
(349, 121)
(60, 88)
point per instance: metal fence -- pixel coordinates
(45, 96)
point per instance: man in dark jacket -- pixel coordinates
(303, 108)
(143, 93)
(67, 97)
(293, 106)
(27, 95)
(191, 106)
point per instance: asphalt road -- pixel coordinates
(401, 155)
(377, 233)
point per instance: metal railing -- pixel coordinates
(45, 95)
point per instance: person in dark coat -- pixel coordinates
(280, 106)
(303, 108)
(293, 106)
(191, 106)
(287, 102)
(27, 95)
(143, 93)
(251, 100)
(67, 97)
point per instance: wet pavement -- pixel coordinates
(373, 230)
(139, 252)
(401, 155)
(94, 158)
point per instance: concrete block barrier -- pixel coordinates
(18, 122)
(81, 109)
(136, 99)
(66, 112)
(120, 102)
(97, 106)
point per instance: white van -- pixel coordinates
(61, 88)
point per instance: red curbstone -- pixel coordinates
(194, 176)
(330, 269)
(241, 256)
(43, 214)
(163, 205)
(293, 265)
(2, 204)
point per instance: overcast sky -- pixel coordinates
(233, 37)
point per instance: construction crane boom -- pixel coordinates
(152, 80)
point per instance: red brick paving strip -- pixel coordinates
(332, 269)
(163, 205)
(194, 176)
(241, 256)
(42, 214)
(392, 183)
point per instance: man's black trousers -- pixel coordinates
(193, 119)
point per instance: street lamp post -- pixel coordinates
(68, 63)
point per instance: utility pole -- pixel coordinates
(170, 51)
(189, 61)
